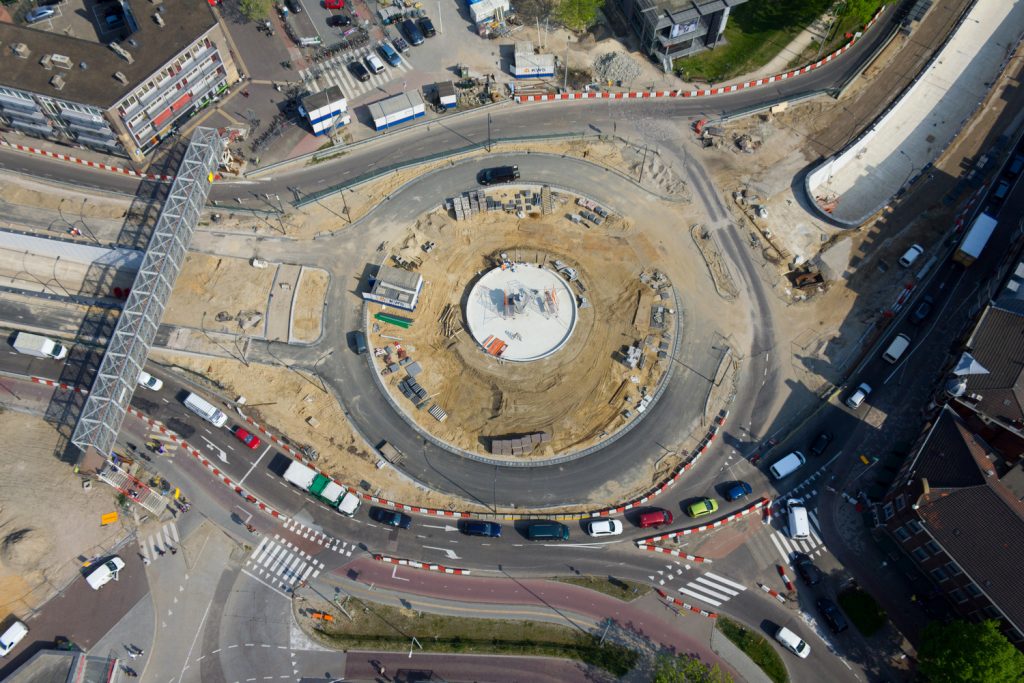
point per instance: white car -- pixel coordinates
(605, 527)
(150, 382)
(858, 396)
(793, 642)
(101, 574)
(11, 637)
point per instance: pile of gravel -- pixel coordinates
(615, 66)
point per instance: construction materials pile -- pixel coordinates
(616, 67)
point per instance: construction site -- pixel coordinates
(515, 348)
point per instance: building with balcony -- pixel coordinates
(670, 29)
(168, 60)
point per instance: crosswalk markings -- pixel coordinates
(334, 71)
(283, 562)
(812, 546)
(712, 589)
(320, 538)
(164, 538)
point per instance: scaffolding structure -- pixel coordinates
(126, 354)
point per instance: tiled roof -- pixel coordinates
(952, 456)
(998, 344)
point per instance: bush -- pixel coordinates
(756, 647)
(864, 612)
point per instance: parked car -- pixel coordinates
(478, 527)
(12, 636)
(249, 439)
(100, 575)
(923, 310)
(704, 506)
(334, 4)
(39, 14)
(857, 397)
(604, 527)
(150, 382)
(391, 518)
(397, 40)
(821, 443)
(806, 568)
(389, 54)
(832, 616)
(737, 490)
(793, 642)
(339, 20)
(412, 32)
(910, 255)
(294, 6)
(427, 26)
(358, 70)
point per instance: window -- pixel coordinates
(888, 511)
(991, 612)
(973, 590)
(901, 533)
(933, 547)
(939, 574)
(958, 595)
(920, 554)
(915, 526)
(901, 502)
(953, 568)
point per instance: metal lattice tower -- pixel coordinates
(126, 354)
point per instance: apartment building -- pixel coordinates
(670, 29)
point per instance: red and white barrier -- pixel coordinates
(90, 164)
(774, 593)
(673, 553)
(785, 579)
(421, 565)
(685, 605)
(60, 385)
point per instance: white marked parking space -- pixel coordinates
(334, 71)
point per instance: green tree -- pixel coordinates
(578, 15)
(254, 10)
(966, 652)
(683, 669)
(860, 11)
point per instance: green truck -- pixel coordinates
(322, 487)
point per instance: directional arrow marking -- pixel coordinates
(447, 551)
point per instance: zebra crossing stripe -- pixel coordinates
(309, 568)
(706, 599)
(259, 548)
(712, 584)
(271, 555)
(728, 582)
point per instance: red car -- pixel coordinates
(334, 4)
(250, 440)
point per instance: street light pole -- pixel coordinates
(488, 133)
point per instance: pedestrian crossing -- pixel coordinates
(282, 563)
(711, 588)
(812, 546)
(337, 545)
(334, 71)
(157, 544)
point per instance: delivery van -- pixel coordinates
(206, 410)
(799, 527)
(896, 349)
(788, 465)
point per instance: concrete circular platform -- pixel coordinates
(521, 312)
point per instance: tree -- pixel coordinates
(683, 669)
(578, 15)
(254, 10)
(968, 652)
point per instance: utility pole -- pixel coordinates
(642, 164)
(565, 81)
(488, 133)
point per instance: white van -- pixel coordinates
(799, 528)
(896, 348)
(11, 637)
(374, 63)
(206, 410)
(100, 575)
(792, 642)
(910, 255)
(788, 465)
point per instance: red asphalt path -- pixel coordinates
(400, 668)
(646, 616)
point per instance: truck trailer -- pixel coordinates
(38, 346)
(322, 487)
(975, 239)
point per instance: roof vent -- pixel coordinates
(21, 50)
(131, 41)
(158, 19)
(46, 62)
(83, 66)
(57, 82)
(121, 77)
(63, 61)
(122, 53)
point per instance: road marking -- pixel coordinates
(267, 450)
(446, 527)
(394, 574)
(221, 455)
(199, 630)
(708, 582)
(447, 551)
(259, 580)
(728, 582)
(699, 596)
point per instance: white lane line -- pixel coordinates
(265, 451)
(273, 588)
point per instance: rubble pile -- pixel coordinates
(616, 67)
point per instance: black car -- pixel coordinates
(923, 310)
(427, 26)
(412, 32)
(806, 569)
(359, 71)
(477, 527)
(294, 6)
(339, 20)
(498, 174)
(832, 616)
(821, 443)
(390, 517)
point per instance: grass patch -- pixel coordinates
(391, 628)
(756, 647)
(865, 613)
(609, 585)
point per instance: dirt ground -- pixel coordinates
(73, 205)
(49, 524)
(578, 394)
(310, 298)
(210, 285)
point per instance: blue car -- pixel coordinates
(390, 518)
(737, 490)
(476, 527)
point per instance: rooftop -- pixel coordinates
(151, 46)
(997, 343)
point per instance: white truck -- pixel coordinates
(322, 487)
(39, 346)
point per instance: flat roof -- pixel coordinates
(395, 104)
(184, 22)
(399, 277)
(323, 98)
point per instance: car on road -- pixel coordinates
(832, 616)
(359, 71)
(604, 527)
(547, 531)
(100, 575)
(857, 397)
(391, 518)
(792, 642)
(704, 506)
(12, 636)
(655, 518)
(339, 20)
(737, 490)
(910, 255)
(1015, 167)
(498, 174)
(806, 568)
(923, 310)
(150, 382)
(999, 194)
(788, 464)
(40, 13)
(294, 6)
(427, 26)
(246, 437)
(821, 442)
(478, 527)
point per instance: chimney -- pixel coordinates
(122, 53)
(61, 61)
(925, 489)
(121, 77)
(158, 19)
(45, 63)
(21, 50)
(57, 82)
